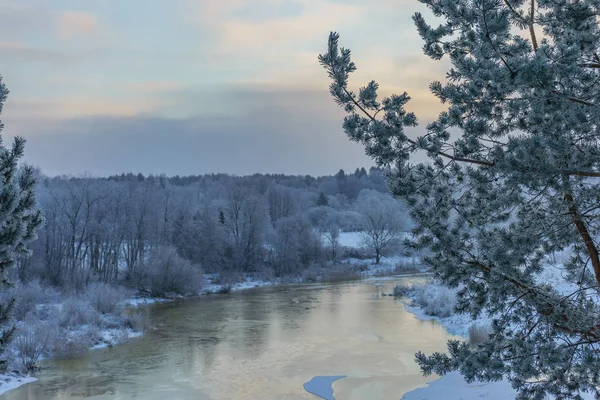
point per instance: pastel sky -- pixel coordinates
(198, 86)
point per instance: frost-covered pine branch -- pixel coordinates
(518, 184)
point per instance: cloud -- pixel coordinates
(72, 24)
(275, 131)
(68, 107)
(19, 52)
(280, 33)
(268, 130)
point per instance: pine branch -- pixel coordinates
(592, 333)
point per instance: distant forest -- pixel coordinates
(158, 233)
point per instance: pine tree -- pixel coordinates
(515, 184)
(19, 219)
(322, 199)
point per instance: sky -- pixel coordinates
(199, 86)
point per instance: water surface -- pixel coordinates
(261, 344)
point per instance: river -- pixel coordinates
(260, 344)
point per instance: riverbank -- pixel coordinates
(112, 328)
(437, 299)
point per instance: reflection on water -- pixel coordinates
(262, 344)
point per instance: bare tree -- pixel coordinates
(384, 219)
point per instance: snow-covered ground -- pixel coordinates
(142, 301)
(111, 337)
(12, 381)
(248, 283)
(453, 387)
(351, 239)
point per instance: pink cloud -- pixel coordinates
(72, 24)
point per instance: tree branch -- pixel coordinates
(548, 307)
(585, 235)
(531, 29)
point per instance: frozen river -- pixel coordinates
(262, 344)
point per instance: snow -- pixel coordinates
(248, 283)
(351, 239)
(11, 381)
(321, 386)
(453, 387)
(142, 301)
(111, 337)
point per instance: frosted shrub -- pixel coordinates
(70, 344)
(266, 274)
(169, 274)
(435, 300)
(332, 273)
(408, 267)
(104, 297)
(138, 321)
(402, 290)
(30, 295)
(77, 311)
(228, 277)
(311, 274)
(33, 338)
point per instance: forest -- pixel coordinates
(155, 233)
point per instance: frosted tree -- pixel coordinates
(19, 219)
(383, 221)
(512, 180)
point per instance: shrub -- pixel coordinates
(226, 289)
(29, 296)
(311, 274)
(32, 339)
(104, 297)
(333, 273)
(169, 274)
(408, 267)
(70, 344)
(402, 290)
(228, 277)
(435, 300)
(138, 321)
(76, 311)
(266, 274)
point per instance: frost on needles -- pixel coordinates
(20, 218)
(513, 180)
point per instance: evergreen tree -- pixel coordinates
(322, 199)
(19, 219)
(517, 184)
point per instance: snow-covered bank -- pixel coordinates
(452, 386)
(13, 381)
(248, 282)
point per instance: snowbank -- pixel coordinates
(247, 283)
(11, 381)
(453, 387)
(142, 301)
(111, 337)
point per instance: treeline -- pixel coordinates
(159, 234)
